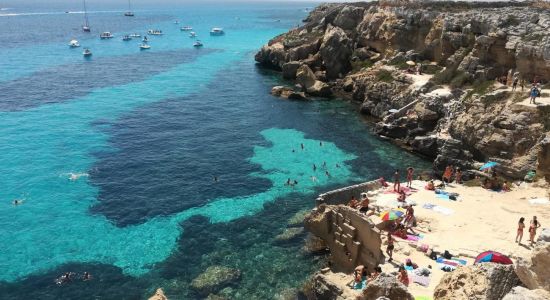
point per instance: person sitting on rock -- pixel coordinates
(403, 276)
(364, 205)
(353, 203)
(506, 187)
(377, 271)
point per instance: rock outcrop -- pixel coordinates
(534, 271)
(214, 279)
(388, 286)
(521, 293)
(453, 113)
(339, 227)
(488, 281)
(159, 295)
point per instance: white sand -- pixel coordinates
(482, 220)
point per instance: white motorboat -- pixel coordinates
(127, 38)
(74, 44)
(135, 35)
(186, 28)
(197, 44)
(217, 31)
(106, 35)
(144, 47)
(154, 32)
(87, 52)
(192, 34)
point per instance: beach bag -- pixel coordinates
(433, 255)
(447, 255)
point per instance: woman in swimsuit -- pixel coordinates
(364, 205)
(533, 229)
(402, 196)
(447, 174)
(521, 226)
(353, 203)
(410, 174)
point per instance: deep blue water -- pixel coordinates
(147, 132)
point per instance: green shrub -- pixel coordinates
(460, 79)
(358, 65)
(431, 69)
(384, 75)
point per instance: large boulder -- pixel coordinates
(544, 158)
(521, 293)
(330, 286)
(214, 279)
(336, 52)
(319, 89)
(287, 93)
(534, 271)
(487, 281)
(386, 286)
(290, 69)
(159, 295)
(349, 17)
(305, 77)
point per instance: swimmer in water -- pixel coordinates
(324, 164)
(295, 182)
(337, 165)
(287, 182)
(17, 202)
(314, 168)
(302, 145)
(327, 173)
(313, 178)
(321, 144)
(215, 178)
(86, 276)
(293, 150)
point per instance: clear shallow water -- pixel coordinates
(151, 136)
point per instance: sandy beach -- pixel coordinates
(478, 221)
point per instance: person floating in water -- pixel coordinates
(327, 173)
(86, 276)
(17, 202)
(295, 182)
(337, 165)
(314, 168)
(313, 178)
(324, 164)
(215, 178)
(287, 182)
(321, 144)
(293, 150)
(302, 145)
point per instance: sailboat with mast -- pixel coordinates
(86, 26)
(129, 13)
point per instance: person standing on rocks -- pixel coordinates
(389, 249)
(533, 229)
(396, 181)
(515, 84)
(521, 226)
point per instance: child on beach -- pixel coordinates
(410, 174)
(402, 276)
(533, 229)
(430, 186)
(521, 226)
(396, 181)
(389, 249)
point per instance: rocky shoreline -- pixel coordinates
(456, 111)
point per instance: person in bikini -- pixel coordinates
(389, 249)
(353, 203)
(448, 174)
(364, 205)
(533, 229)
(521, 226)
(402, 196)
(403, 276)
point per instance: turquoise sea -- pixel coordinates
(114, 157)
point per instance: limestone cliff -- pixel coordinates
(454, 112)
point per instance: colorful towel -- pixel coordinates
(443, 197)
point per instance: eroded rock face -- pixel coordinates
(534, 271)
(214, 279)
(338, 227)
(336, 51)
(543, 167)
(521, 293)
(488, 281)
(388, 286)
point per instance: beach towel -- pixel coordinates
(448, 262)
(443, 210)
(539, 201)
(428, 206)
(443, 197)
(422, 280)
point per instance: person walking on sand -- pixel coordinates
(534, 94)
(521, 226)
(515, 84)
(389, 249)
(410, 175)
(533, 229)
(396, 181)
(448, 174)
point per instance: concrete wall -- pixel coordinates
(353, 239)
(343, 195)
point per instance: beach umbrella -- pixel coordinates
(487, 165)
(410, 63)
(493, 256)
(391, 215)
